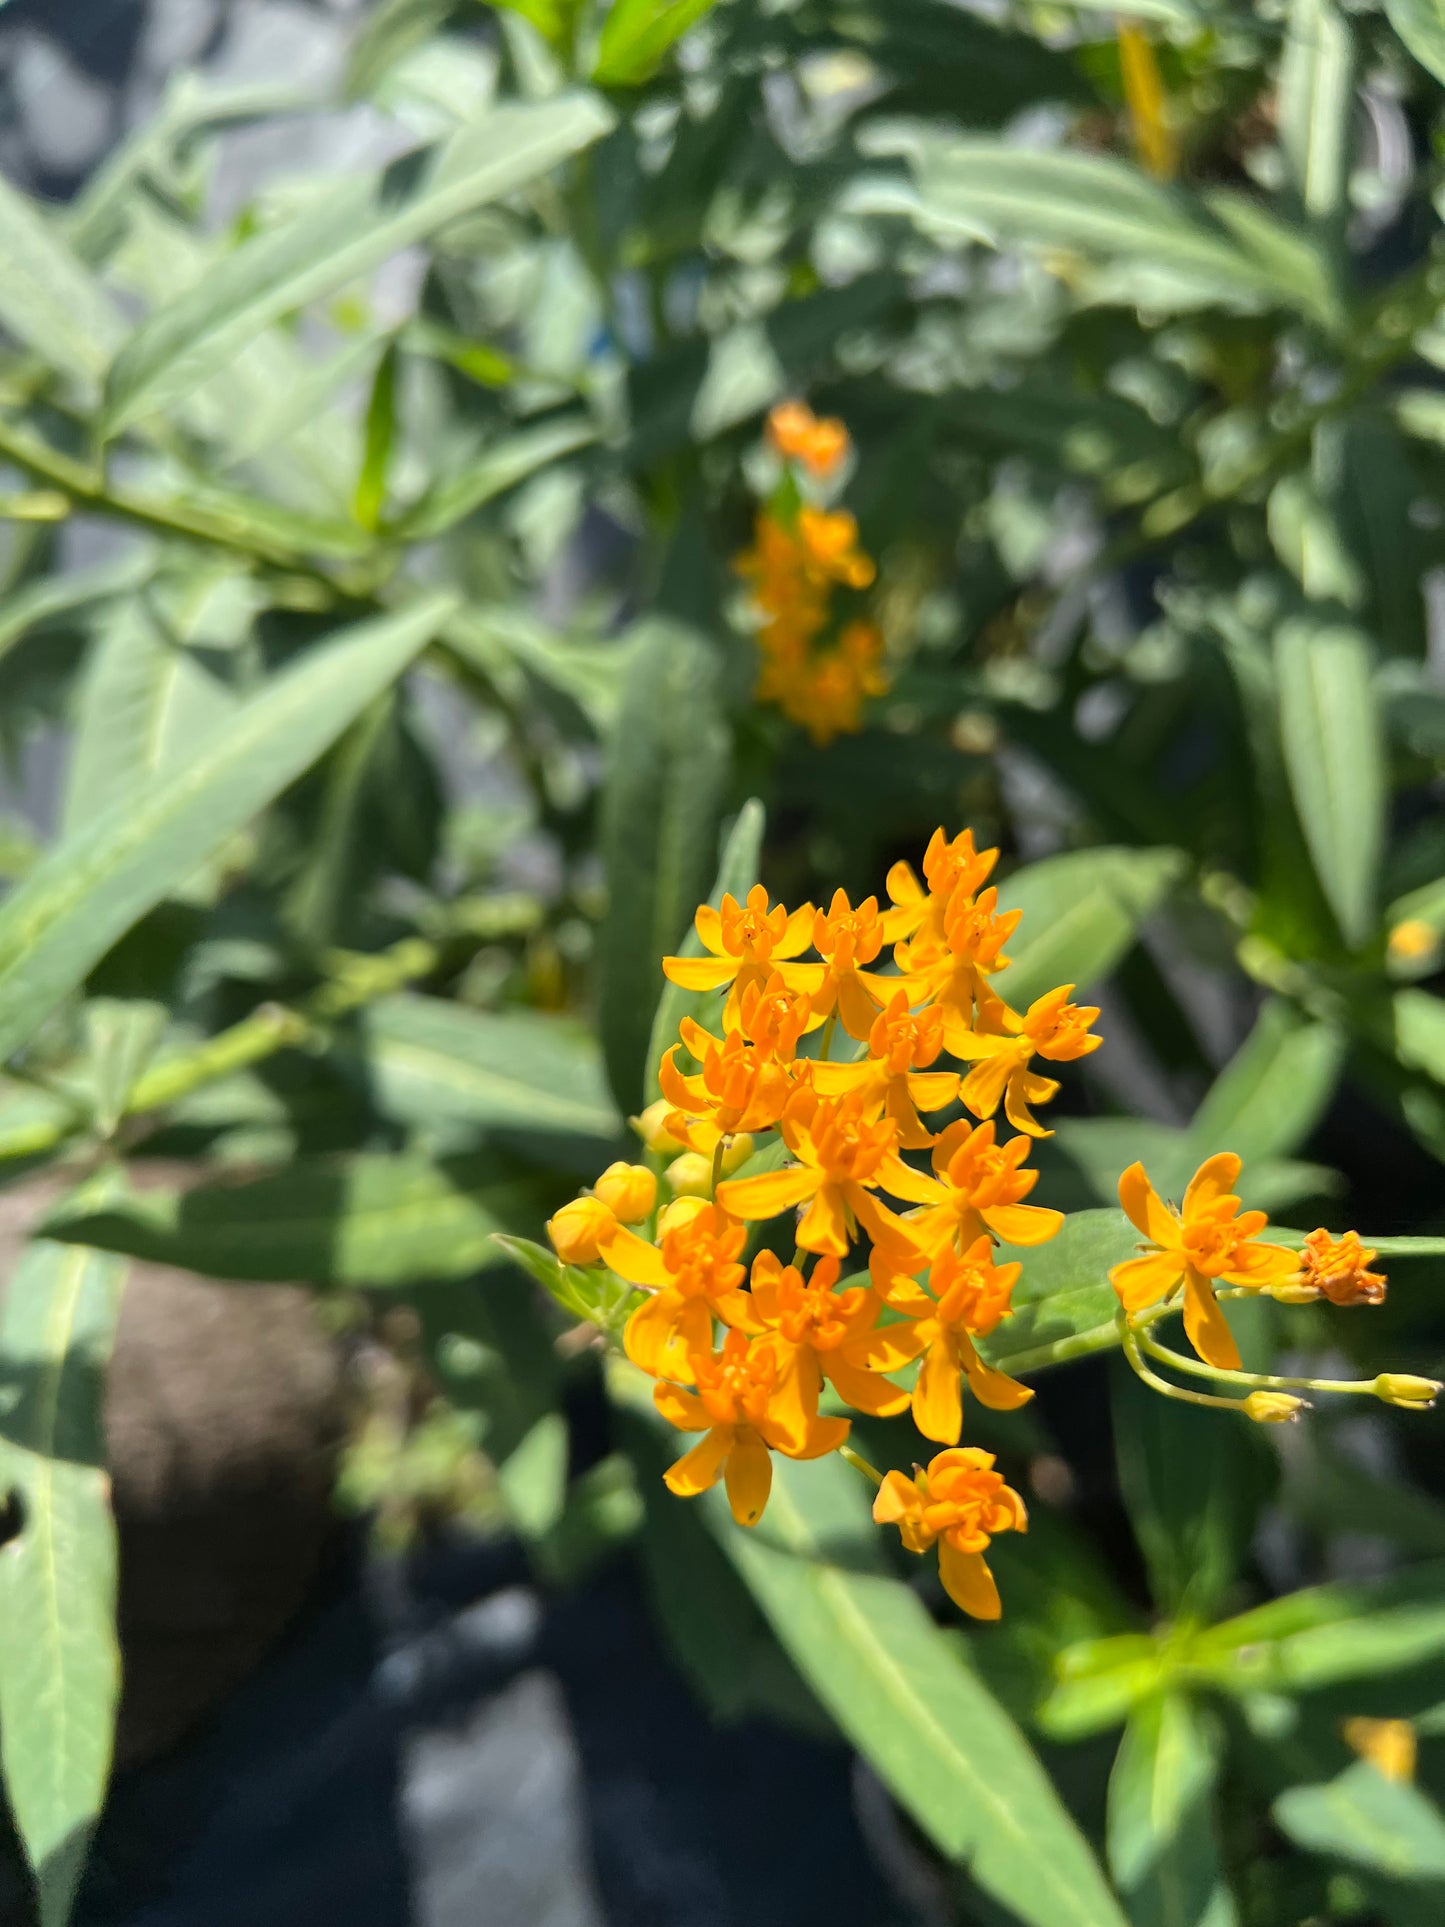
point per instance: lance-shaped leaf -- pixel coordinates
(1081, 914)
(1163, 1850)
(1368, 1820)
(48, 300)
(1421, 25)
(636, 35)
(90, 889)
(59, 1661)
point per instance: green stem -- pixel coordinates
(1254, 1381)
(860, 1464)
(1128, 1338)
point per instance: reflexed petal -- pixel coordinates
(1264, 1265)
(1026, 1088)
(794, 1404)
(1214, 1179)
(661, 1332)
(968, 1582)
(804, 976)
(1144, 1281)
(633, 1258)
(749, 1474)
(1206, 1326)
(993, 1388)
(797, 933)
(683, 1409)
(699, 1468)
(708, 924)
(699, 973)
(1146, 1209)
(866, 1391)
(896, 1498)
(931, 1090)
(825, 1435)
(856, 1008)
(971, 1046)
(937, 1402)
(900, 1180)
(825, 1224)
(741, 1310)
(984, 1086)
(892, 1347)
(1023, 1224)
(834, 1080)
(769, 1193)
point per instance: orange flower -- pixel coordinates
(954, 976)
(966, 1299)
(692, 1274)
(742, 942)
(800, 436)
(846, 939)
(894, 1078)
(819, 1332)
(734, 1407)
(976, 1188)
(1338, 1268)
(829, 541)
(841, 1157)
(949, 867)
(1210, 1238)
(960, 1503)
(772, 1018)
(736, 1090)
(1051, 1027)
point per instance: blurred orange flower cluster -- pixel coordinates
(803, 1096)
(802, 553)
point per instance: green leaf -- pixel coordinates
(1064, 1305)
(1316, 99)
(901, 1691)
(1334, 755)
(1370, 1821)
(496, 470)
(1421, 25)
(379, 437)
(362, 1220)
(429, 1062)
(637, 34)
(1420, 1032)
(340, 236)
(665, 782)
(48, 300)
(1081, 914)
(1163, 1853)
(1325, 1635)
(553, 19)
(59, 1661)
(737, 873)
(1273, 1091)
(593, 1295)
(95, 885)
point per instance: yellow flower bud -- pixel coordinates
(577, 1227)
(1274, 1408)
(628, 1190)
(691, 1175)
(1403, 1388)
(678, 1215)
(1388, 1745)
(1411, 941)
(737, 1152)
(651, 1127)
(1293, 1291)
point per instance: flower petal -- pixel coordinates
(708, 924)
(993, 1388)
(1214, 1179)
(968, 1582)
(749, 1473)
(1205, 1324)
(683, 1409)
(937, 1400)
(699, 1468)
(1147, 1280)
(897, 1497)
(1023, 1224)
(633, 1258)
(769, 1193)
(797, 932)
(700, 973)
(866, 1391)
(1263, 1264)
(1146, 1209)
(825, 1223)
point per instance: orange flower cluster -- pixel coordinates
(816, 1079)
(803, 551)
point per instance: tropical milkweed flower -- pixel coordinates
(742, 942)
(960, 1504)
(847, 940)
(967, 1297)
(1051, 1028)
(977, 1187)
(819, 444)
(1389, 1745)
(1339, 1269)
(842, 1157)
(952, 866)
(734, 1407)
(1208, 1239)
(894, 1079)
(737, 1089)
(954, 975)
(822, 1333)
(692, 1274)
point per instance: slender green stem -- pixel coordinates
(1128, 1338)
(825, 1041)
(1254, 1381)
(860, 1464)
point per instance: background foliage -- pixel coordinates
(367, 547)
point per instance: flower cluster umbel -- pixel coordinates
(746, 1354)
(817, 670)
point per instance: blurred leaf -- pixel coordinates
(121, 1036)
(737, 873)
(1163, 1853)
(74, 593)
(553, 19)
(1064, 1297)
(1420, 1032)
(663, 795)
(499, 468)
(1421, 25)
(362, 1220)
(593, 1295)
(1368, 1820)
(48, 300)
(341, 235)
(1316, 97)
(1273, 1091)
(901, 1692)
(59, 1661)
(1333, 749)
(500, 642)
(1081, 913)
(379, 439)
(92, 887)
(636, 35)
(430, 1062)
(1323, 1635)
(387, 34)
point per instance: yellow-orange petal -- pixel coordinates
(1205, 1324)
(1215, 1178)
(991, 1387)
(982, 1090)
(699, 973)
(683, 1409)
(797, 932)
(1145, 1281)
(824, 1227)
(1023, 1224)
(749, 1476)
(895, 1499)
(968, 1582)
(937, 1399)
(698, 1469)
(708, 924)
(633, 1258)
(866, 1391)
(769, 1193)
(1026, 1088)
(1144, 1208)
(824, 1435)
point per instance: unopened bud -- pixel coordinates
(678, 1215)
(1293, 1291)
(1403, 1388)
(1274, 1408)
(737, 1152)
(651, 1127)
(1412, 941)
(691, 1175)
(577, 1227)
(628, 1190)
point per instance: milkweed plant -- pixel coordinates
(742, 740)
